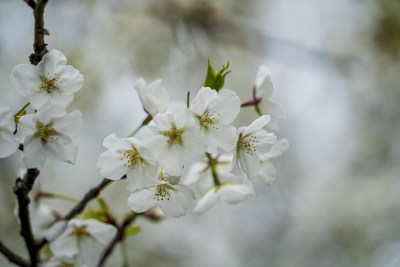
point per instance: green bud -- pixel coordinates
(216, 81)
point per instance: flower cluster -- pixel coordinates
(47, 133)
(194, 156)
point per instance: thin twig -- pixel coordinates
(21, 190)
(12, 257)
(120, 236)
(39, 46)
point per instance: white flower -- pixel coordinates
(267, 173)
(226, 187)
(154, 96)
(252, 142)
(173, 199)
(215, 112)
(263, 91)
(83, 239)
(175, 137)
(50, 81)
(125, 157)
(47, 134)
(8, 141)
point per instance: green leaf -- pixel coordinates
(216, 81)
(132, 229)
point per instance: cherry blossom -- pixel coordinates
(173, 199)
(124, 156)
(83, 240)
(47, 134)
(50, 81)
(175, 136)
(252, 142)
(215, 112)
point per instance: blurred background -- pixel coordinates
(336, 69)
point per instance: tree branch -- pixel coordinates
(12, 257)
(31, 3)
(120, 236)
(39, 46)
(21, 190)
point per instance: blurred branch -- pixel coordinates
(120, 236)
(21, 190)
(11, 256)
(31, 3)
(39, 46)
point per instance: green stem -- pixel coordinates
(21, 110)
(258, 110)
(144, 122)
(213, 166)
(55, 195)
(188, 99)
(125, 261)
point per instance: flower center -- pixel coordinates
(79, 232)
(49, 85)
(210, 118)
(247, 144)
(66, 264)
(162, 192)
(132, 157)
(174, 136)
(46, 133)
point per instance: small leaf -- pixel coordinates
(216, 81)
(132, 229)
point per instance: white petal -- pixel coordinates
(265, 141)
(102, 232)
(172, 160)
(111, 166)
(139, 177)
(33, 155)
(258, 124)
(49, 112)
(61, 149)
(233, 194)
(27, 125)
(249, 163)
(6, 118)
(39, 98)
(61, 99)
(51, 63)
(273, 109)
(153, 145)
(267, 174)
(195, 172)
(194, 140)
(263, 83)
(227, 104)
(207, 201)
(8, 143)
(25, 78)
(280, 147)
(161, 122)
(201, 101)
(65, 244)
(71, 124)
(56, 230)
(224, 136)
(89, 252)
(178, 203)
(142, 200)
(70, 80)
